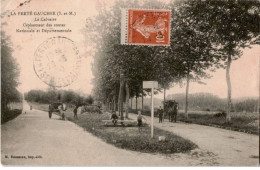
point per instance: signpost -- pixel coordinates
(151, 85)
(135, 31)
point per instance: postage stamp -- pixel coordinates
(145, 27)
(57, 61)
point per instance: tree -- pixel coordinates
(233, 24)
(190, 54)
(136, 62)
(9, 74)
(88, 100)
(192, 47)
(68, 96)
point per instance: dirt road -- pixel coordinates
(32, 139)
(229, 147)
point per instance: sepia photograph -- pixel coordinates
(130, 83)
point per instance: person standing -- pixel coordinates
(75, 111)
(140, 121)
(60, 108)
(175, 111)
(160, 113)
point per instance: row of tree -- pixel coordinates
(210, 102)
(200, 102)
(205, 35)
(58, 96)
(248, 105)
(9, 76)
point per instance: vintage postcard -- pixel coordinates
(116, 83)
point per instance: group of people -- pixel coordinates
(171, 110)
(62, 108)
(140, 118)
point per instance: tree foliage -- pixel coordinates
(233, 25)
(139, 63)
(9, 74)
(205, 35)
(199, 101)
(58, 96)
(248, 105)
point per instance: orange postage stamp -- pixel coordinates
(146, 27)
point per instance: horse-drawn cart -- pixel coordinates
(171, 109)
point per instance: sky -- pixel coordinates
(244, 71)
(244, 75)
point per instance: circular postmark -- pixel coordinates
(57, 61)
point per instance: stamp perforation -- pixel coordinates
(127, 33)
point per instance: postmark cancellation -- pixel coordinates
(57, 61)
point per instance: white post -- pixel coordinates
(152, 115)
(151, 85)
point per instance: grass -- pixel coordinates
(128, 137)
(15, 110)
(245, 122)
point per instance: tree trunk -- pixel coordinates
(229, 103)
(121, 110)
(142, 101)
(187, 93)
(120, 102)
(118, 105)
(114, 102)
(136, 102)
(107, 104)
(121, 95)
(126, 100)
(131, 103)
(164, 93)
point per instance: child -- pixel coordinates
(114, 117)
(62, 108)
(140, 121)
